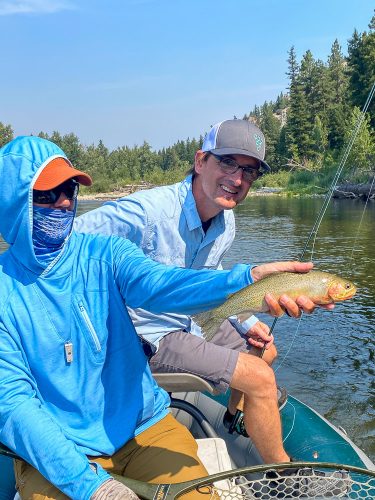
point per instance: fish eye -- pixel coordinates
(348, 286)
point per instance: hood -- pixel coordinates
(21, 162)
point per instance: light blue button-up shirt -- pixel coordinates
(165, 224)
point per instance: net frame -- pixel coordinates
(268, 482)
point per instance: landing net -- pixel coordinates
(320, 482)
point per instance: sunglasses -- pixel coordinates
(230, 166)
(70, 188)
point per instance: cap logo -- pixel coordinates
(258, 141)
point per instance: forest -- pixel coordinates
(307, 129)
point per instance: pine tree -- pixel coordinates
(281, 102)
(299, 126)
(270, 126)
(102, 150)
(338, 107)
(72, 147)
(313, 78)
(361, 67)
(362, 155)
(289, 136)
(43, 135)
(6, 134)
(148, 160)
(337, 75)
(293, 68)
(56, 137)
(170, 160)
(255, 115)
(320, 141)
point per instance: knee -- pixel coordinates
(253, 373)
(265, 376)
(264, 383)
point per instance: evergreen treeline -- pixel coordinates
(306, 128)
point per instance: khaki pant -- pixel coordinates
(164, 453)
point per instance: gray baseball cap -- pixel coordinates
(236, 137)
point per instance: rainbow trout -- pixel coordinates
(321, 287)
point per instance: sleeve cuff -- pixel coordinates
(251, 267)
(244, 327)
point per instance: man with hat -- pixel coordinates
(191, 224)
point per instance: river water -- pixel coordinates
(326, 359)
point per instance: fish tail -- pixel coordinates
(209, 324)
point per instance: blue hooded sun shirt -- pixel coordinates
(56, 408)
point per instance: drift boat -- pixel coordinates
(329, 464)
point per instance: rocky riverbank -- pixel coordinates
(117, 193)
(364, 191)
(126, 190)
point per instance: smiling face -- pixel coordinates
(213, 189)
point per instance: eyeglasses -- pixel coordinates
(230, 166)
(70, 188)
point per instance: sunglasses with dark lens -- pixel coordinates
(230, 166)
(70, 188)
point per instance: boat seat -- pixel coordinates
(187, 383)
(183, 382)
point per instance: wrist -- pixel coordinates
(253, 274)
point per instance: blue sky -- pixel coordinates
(126, 71)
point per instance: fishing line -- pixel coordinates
(327, 199)
(290, 346)
(360, 222)
(293, 421)
(340, 168)
(314, 231)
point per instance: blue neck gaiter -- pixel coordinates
(50, 229)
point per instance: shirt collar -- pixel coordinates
(190, 211)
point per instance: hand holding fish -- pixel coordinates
(260, 272)
(285, 303)
(279, 285)
(292, 307)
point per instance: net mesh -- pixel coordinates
(301, 483)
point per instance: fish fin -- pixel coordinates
(208, 323)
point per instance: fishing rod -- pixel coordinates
(331, 190)
(317, 223)
(341, 166)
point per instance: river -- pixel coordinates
(327, 358)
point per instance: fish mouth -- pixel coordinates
(351, 293)
(344, 296)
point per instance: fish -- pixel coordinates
(321, 287)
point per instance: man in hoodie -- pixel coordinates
(77, 398)
(191, 224)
